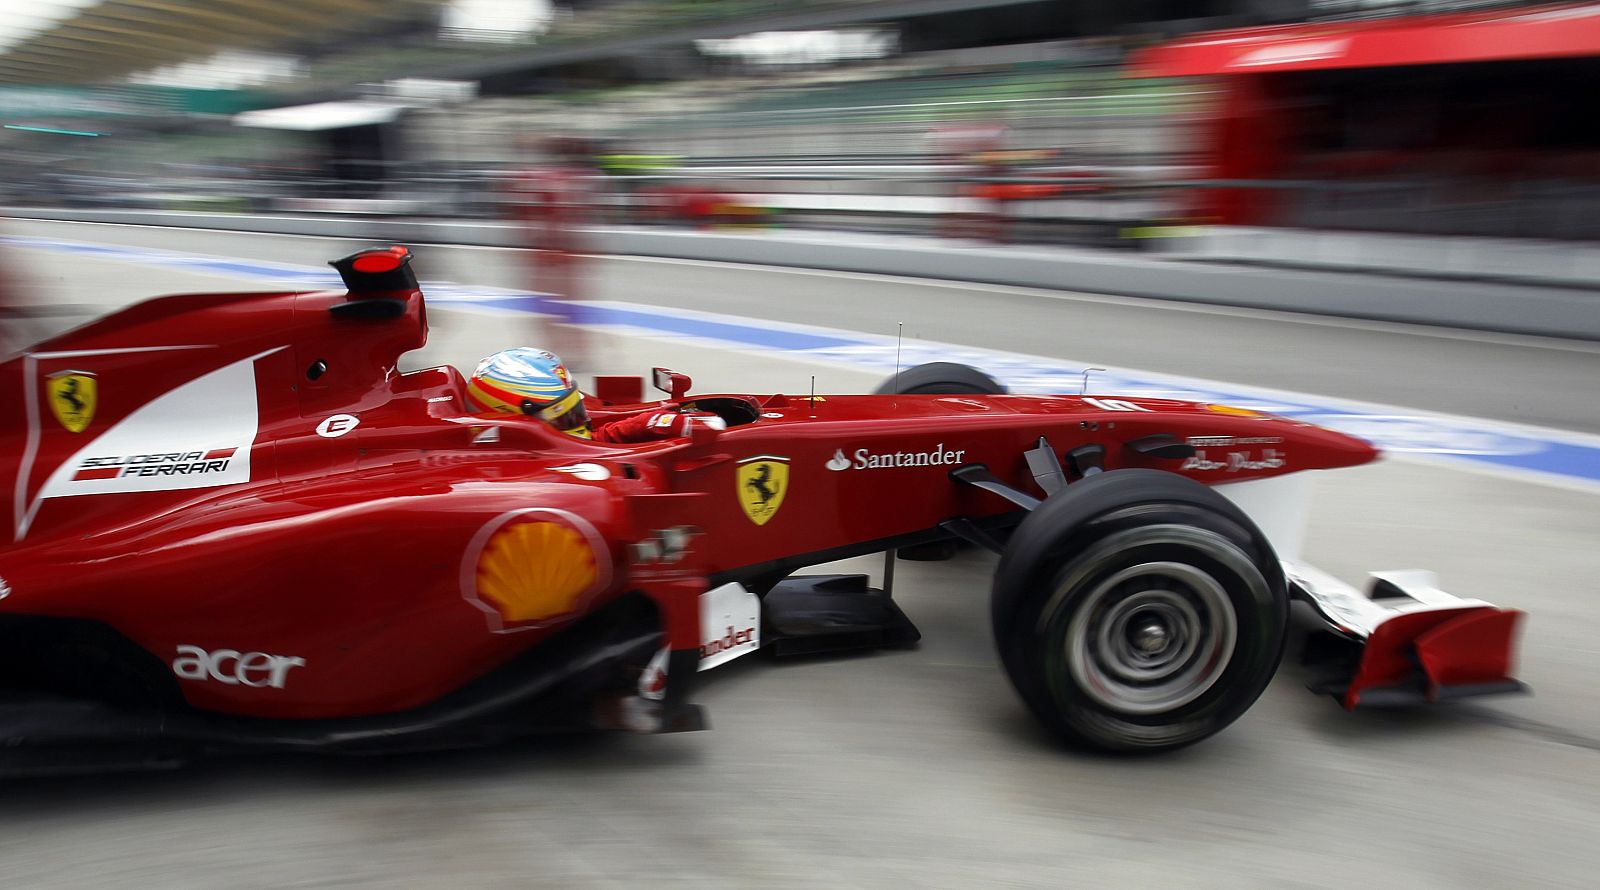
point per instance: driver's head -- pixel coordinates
(532, 382)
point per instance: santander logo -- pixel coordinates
(733, 639)
(866, 459)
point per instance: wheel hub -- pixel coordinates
(1152, 637)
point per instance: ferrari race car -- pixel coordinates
(235, 526)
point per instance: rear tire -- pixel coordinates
(938, 378)
(947, 378)
(1139, 611)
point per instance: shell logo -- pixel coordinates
(530, 568)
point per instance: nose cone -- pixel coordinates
(1330, 448)
(1310, 447)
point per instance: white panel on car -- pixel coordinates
(197, 435)
(1279, 506)
(730, 624)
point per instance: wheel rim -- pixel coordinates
(1152, 637)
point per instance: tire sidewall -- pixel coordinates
(1062, 540)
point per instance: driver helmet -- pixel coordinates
(531, 382)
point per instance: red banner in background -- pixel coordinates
(1531, 33)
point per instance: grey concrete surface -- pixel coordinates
(1468, 258)
(920, 768)
(1538, 310)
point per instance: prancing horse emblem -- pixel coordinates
(763, 481)
(73, 395)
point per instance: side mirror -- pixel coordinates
(671, 382)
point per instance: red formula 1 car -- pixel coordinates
(234, 525)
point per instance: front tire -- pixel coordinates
(1139, 611)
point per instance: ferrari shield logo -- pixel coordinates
(73, 395)
(762, 481)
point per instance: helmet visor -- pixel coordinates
(567, 414)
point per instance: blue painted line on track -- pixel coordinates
(1471, 441)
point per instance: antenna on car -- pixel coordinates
(812, 400)
(899, 333)
(1084, 389)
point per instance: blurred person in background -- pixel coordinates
(15, 332)
(10, 329)
(29, 312)
(552, 202)
(974, 153)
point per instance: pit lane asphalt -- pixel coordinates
(920, 768)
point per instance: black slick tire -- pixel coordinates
(941, 378)
(1139, 611)
(938, 378)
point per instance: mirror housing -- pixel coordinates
(672, 383)
(703, 435)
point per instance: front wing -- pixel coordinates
(1405, 641)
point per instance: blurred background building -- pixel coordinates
(1095, 122)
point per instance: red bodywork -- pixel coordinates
(385, 547)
